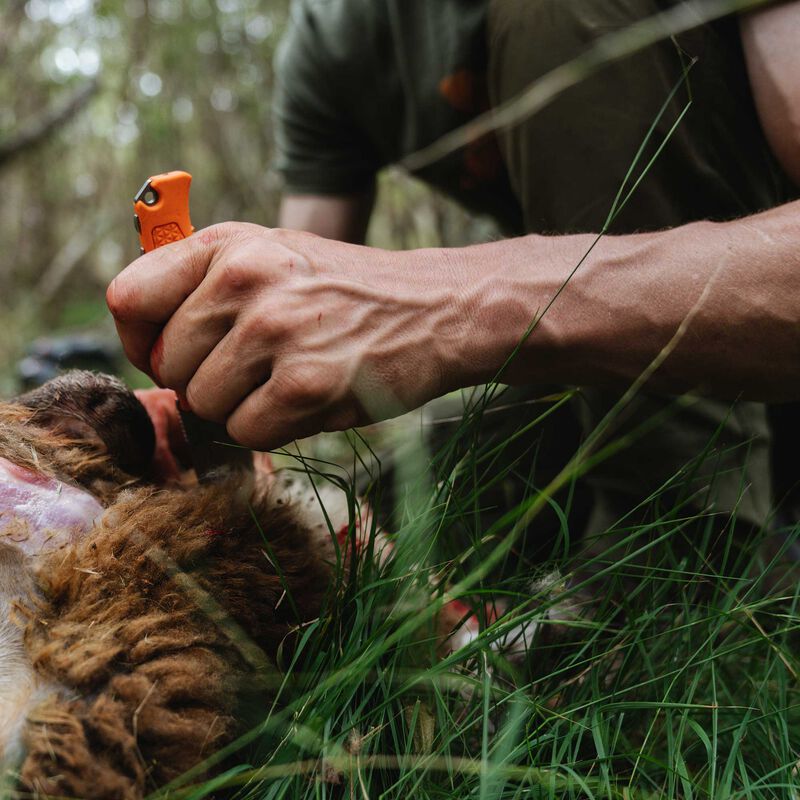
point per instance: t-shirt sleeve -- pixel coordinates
(319, 148)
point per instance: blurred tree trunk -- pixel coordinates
(36, 130)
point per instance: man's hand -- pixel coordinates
(282, 334)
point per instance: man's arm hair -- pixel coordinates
(771, 41)
(341, 217)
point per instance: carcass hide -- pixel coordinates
(120, 603)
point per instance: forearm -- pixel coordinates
(735, 284)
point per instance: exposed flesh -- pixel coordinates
(39, 514)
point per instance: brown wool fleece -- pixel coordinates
(141, 627)
(158, 623)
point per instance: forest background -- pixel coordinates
(695, 694)
(96, 95)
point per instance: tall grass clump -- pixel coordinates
(664, 666)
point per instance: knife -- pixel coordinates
(161, 216)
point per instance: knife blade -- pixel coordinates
(161, 216)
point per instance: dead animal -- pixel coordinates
(120, 667)
(134, 618)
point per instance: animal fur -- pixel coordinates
(137, 660)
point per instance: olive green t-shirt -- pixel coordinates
(363, 83)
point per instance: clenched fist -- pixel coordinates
(281, 334)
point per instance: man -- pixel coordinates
(281, 334)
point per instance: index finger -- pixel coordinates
(151, 289)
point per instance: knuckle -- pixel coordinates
(251, 329)
(263, 326)
(235, 274)
(212, 235)
(224, 233)
(199, 400)
(245, 431)
(242, 230)
(301, 387)
(121, 298)
(217, 234)
(277, 323)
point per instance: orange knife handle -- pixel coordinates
(161, 210)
